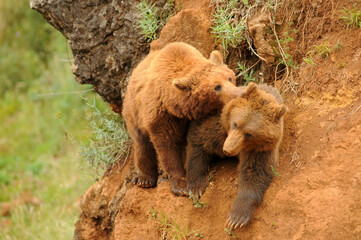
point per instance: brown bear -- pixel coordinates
(250, 127)
(166, 90)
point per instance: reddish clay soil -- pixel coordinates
(318, 192)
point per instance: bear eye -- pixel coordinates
(234, 125)
(230, 79)
(247, 135)
(218, 88)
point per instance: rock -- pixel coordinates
(190, 26)
(258, 28)
(104, 38)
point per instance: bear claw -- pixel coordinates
(197, 187)
(196, 193)
(235, 222)
(144, 182)
(178, 187)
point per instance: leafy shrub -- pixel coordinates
(153, 18)
(228, 30)
(108, 141)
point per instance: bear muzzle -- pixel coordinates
(233, 144)
(230, 92)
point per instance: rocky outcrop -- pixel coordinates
(104, 38)
(259, 26)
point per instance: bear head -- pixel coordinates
(206, 89)
(254, 122)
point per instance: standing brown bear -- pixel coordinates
(250, 126)
(167, 89)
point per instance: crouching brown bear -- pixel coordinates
(166, 90)
(250, 127)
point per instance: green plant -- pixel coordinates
(230, 232)
(167, 12)
(246, 73)
(200, 235)
(153, 18)
(196, 202)
(274, 171)
(210, 178)
(323, 50)
(35, 157)
(343, 64)
(150, 22)
(108, 141)
(27, 44)
(171, 227)
(309, 61)
(338, 46)
(228, 30)
(284, 49)
(351, 17)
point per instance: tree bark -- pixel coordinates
(104, 38)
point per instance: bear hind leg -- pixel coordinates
(197, 170)
(146, 162)
(170, 156)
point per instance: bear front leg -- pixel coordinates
(197, 169)
(249, 196)
(145, 161)
(168, 136)
(243, 207)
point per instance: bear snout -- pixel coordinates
(233, 143)
(226, 152)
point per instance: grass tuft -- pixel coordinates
(169, 227)
(246, 73)
(309, 60)
(352, 18)
(323, 50)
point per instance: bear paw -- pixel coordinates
(198, 187)
(145, 182)
(239, 217)
(178, 186)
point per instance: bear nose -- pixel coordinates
(226, 152)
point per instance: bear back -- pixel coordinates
(179, 80)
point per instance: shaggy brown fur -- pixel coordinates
(167, 89)
(250, 126)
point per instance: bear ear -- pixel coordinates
(251, 88)
(280, 111)
(183, 84)
(216, 57)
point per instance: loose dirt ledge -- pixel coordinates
(318, 193)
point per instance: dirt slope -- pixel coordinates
(318, 193)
